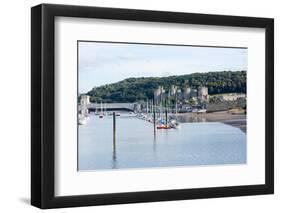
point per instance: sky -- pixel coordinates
(101, 63)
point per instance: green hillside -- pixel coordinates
(135, 89)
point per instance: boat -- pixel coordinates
(101, 115)
(163, 126)
(149, 119)
(82, 120)
(174, 124)
(202, 111)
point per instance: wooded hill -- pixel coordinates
(136, 89)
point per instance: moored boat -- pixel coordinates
(162, 126)
(82, 120)
(174, 124)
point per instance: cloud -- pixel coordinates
(103, 63)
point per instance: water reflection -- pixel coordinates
(114, 156)
(154, 147)
(196, 143)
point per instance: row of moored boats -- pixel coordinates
(161, 123)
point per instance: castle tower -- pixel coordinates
(158, 94)
(203, 93)
(186, 92)
(173, 90)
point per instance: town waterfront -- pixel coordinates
(136, 146)
(157, 105)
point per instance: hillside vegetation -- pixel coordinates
(136, 89)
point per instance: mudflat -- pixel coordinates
(236, 119)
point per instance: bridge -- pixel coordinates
(111, 106)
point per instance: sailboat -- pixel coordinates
(82, 120)
(96, 112)
(175, 124)
(101, 111)
(105, 112)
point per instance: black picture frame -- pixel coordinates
(43, 105)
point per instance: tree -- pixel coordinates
(136, 89)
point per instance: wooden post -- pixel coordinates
(176, 103)
(114, 132)
(154, 118)
(166, 114)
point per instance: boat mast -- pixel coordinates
(146, 107)
(176, 103)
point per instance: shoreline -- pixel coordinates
(237, 120)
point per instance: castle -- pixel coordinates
(201, 93)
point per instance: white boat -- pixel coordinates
(201, 111)
(82, 120)
(174, 124)
(101, 115)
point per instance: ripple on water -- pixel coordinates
(195, 144)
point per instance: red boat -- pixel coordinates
(162, 126)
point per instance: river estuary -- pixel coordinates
(194, 144)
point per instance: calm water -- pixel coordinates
(194, 144)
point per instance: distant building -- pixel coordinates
(186, 93)
(231, 97)
(203, 93)
(226, 102)
(173, 90)
(85, 100)
(158, 94)
(193, 93)
(137, 107)
(179, 94)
